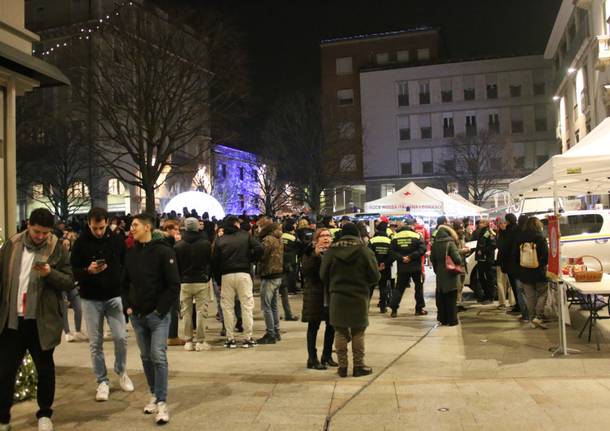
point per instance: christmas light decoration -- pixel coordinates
(27, 380)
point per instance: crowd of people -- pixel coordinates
(162, 272)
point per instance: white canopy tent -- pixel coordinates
(459, 198)
(584, 169)
(410, 196)
(453, 207)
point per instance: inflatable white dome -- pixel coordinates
(199, 201)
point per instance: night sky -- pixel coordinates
(283, 36)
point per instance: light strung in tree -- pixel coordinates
(85, 31)
(27, 380)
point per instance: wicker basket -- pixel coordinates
(589, 276)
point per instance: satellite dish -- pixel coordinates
(199, 201)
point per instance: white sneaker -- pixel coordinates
(162, 414)
(69, 338)
(151, 407)
(45, 424)
(188, 346)
(103, 390)
(126, 383)
(81, 336)
(538, 323)
(200, 347)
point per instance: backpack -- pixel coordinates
(528, 256)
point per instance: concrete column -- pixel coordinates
(10, 162)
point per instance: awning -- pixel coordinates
(32, 67)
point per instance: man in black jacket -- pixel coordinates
(380, 244)
(150, 284)
(485, 257)
(194, 252)
(407, 248)
(234, 252)
(97, 260)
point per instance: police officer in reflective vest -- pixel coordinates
(380, 244)
(407, 248)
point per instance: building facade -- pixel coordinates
(342, 60)
(412, 115)
(579, 48)
(20, 72)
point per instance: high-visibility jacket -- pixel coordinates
(406, 242)
(380, 244)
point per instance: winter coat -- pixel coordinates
(506, 242)
(349, 269)
(445, 243)
(531, 275)
(304, 237)
(234, 252)
(49, 311)
(486, 247)
(272, 261)
(406, 242)
(290, 251)
(150, 280)
(194, 254)
(314, 309)
(88, 248)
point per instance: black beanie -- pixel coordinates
(350, 229)
(382, 227)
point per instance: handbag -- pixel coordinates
(450, 266)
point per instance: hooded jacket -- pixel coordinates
(531, 275)
(445, 243)
(349, 269)
(234, 252)
(194, 254)
(150, 280)
(272, 260)
(88, 248)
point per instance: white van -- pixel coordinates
(584, 232)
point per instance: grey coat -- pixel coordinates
(49, 314)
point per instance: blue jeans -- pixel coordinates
(521, 301)
(151, 334)
(269, 294)
(112, 310)
(74, 298)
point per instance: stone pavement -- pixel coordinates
(491, 372)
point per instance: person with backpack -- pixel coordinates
(532, 254)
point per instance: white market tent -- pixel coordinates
(459, 198)
(427, 202)
(453, 207)
(583, 169)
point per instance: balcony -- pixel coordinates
(603, 52)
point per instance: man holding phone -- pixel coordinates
(97, 260)
(35, 270)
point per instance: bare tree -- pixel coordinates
(480, 163)
(315, 151)
(150, 90)
(52, 158)
(274, 193)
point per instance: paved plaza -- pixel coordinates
(489, 373)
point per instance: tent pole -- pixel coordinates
(555, 198)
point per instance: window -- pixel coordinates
(580, 224)
(406, 169)
(223, 170)
(387, 189)
(448, 129)
(516, 120)
(402, 56)
(515, 90)
(241, 173)
(492, 86)
(519, 162)
(242, 201)
(254, 174)
(345, 97)
(425, 126)
(469, 88)
(446, 91)
(404, 128)
(449, 165)
(471, 124)
(115, 187)
(493, 124)
(540, 118)
(577, 135)
(78, 189)
(423, 54)
(424, 92)
(344, 65)
(541, 160)
(382, 58)
(427, 167)
(346, 130)
(539, 82)
(403, 93)
(581, 90)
